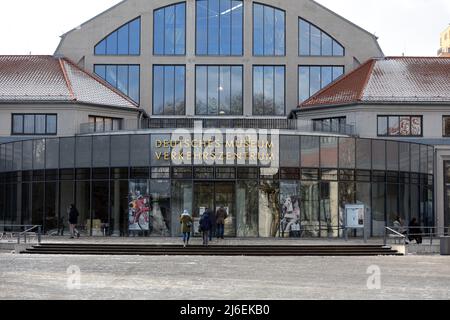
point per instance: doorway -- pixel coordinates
(214, 195)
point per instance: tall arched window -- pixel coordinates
(124, 41)
(315, 42)
(269, 31)
(169, 30)
(219, 26)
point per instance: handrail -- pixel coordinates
(431, 232)
(28, 228)
(398, 234)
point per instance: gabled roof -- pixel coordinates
(389, 80)
(49, 79)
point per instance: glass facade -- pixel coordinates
(311, 79)
(169, 30)
(121, 187)
(269, 91)
(219, 90)
(169, 90)
(124, 41)
(219, 27)
(315, 42)
(269, 28)
(125, 78)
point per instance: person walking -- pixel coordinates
(221, 215)
(205, 227)
(186, 227)
(73, 221)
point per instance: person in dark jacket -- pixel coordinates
(415, 231)
(73, 221)
(205, 227)
(221, 215)
(186, 227)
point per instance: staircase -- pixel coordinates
(213, 250)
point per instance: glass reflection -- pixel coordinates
(247, 208)
(269, 209)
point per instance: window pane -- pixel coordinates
(225, 27)
(29, 124)
(213, 27)
(122, 79)
(123, 40)
(134, 83)
(180, 29)
(100, 49)
(236, 91)
(158, 34)
(225, 91)
(394, 129)
(111, 75)
(268, 90)
(201, 91)
(279, 33)
(304, 37)
(100, 71)
(326, 45)
(379, 155)
(337, 72)
(303, 83)
(213, 90)
(180, 90)
(237, 28)
(315, 41)
(328, 152)
(314, 80)
(158, 90)
(392, 155)
(135, 37)
(363, 154)
(416, 126)
(309, 152)
(347, 153)
(279, 91)
(169, 38)
(382, 126)
(269, 31)
(258, 90)
(111, 44)
(338, 50)
(405, 126)
(40, 124)
(17, 124)
(202, 26)
(169, 90)
(326, 76)
(258, 30)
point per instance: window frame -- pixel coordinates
(117, 78)
(231, 34)
(253, 89)
(207, 87)
(121, 120)
(443, 126)
(129, 38)
(322, 31)
(175, 23)
(309, 84)
(253, 31)
(174, 79)
(13, 133)
(399, 116)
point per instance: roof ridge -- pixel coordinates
(366, 80)
(66, 78)
(101, 82)
(335, 83)
(416, 57)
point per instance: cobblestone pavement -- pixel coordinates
(223, 278)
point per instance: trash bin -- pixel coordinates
(445, 246)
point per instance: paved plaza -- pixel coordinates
(223, 278)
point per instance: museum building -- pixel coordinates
(155, 107)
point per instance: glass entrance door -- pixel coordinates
(213, 196)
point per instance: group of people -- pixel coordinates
(414, 232)
(206, 225)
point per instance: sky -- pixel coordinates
(409, 27)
